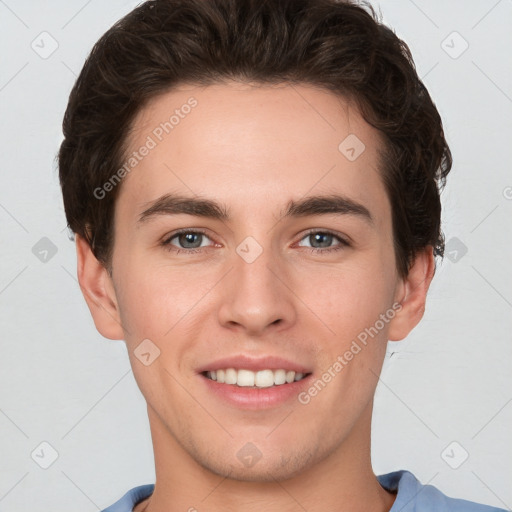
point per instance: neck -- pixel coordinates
(342, 481)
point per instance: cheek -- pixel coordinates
(157, 298)
(154, 298)
(348, 299)
(352, 351)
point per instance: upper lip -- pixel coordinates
(254, 364)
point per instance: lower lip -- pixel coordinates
(256, 398)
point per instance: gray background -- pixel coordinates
(445, 392)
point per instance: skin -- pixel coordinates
(262, 145)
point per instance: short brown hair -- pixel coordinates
(338, 45)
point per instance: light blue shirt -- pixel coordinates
(412, 496)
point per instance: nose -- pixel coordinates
(256, 295)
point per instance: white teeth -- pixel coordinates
(260, 379)
(245, 378)
(264, 379)
(279, 377)
(230, 376)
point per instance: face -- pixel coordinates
(274, 276)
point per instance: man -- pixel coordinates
(254, 188)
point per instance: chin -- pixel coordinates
(273, 468)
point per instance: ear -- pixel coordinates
(98, 290)
(412, 295)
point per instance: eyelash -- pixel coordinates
(166, 243)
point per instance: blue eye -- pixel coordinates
(325, 238)
(191, 241)
(188, 238)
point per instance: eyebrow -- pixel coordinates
(175, 204)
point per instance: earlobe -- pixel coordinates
(98, 291)
(413, 295)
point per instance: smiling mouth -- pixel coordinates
(259, 379)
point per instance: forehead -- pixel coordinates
(252, 146)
